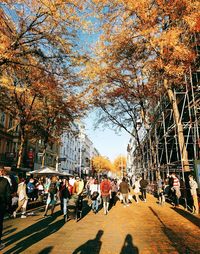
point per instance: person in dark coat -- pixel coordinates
(124, 190)
(143, 188)
(5, 201)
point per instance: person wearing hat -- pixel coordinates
(5, 201)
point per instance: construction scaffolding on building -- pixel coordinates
(160, 150)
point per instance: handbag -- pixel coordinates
(95, 195)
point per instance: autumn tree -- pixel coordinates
(55, 114)
(38, 59)
(101, 164)
(147, 46)
(120, 164)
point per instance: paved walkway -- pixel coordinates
(139, 228)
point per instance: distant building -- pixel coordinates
(76, 150)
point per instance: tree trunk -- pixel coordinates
(179, 126)
(20, 152)
(43, 156)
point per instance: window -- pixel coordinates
(3, 118)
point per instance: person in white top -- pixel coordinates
(71, 181)
(193, 191)
(95, 194)
(136, 188)
(22, 199)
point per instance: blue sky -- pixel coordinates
(107, 142)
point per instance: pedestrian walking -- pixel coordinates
(71, 180)
(78, 186)
(105, 188)
(89, 182)
(160, 191)
(136, 189)
(66, 193)
(114, 191)
(78, 195)
(95, 194)
(52, 195)
(176, 190)
(22, 199)
(124, 190)
(40, 190)
(5, 202)
(31, 189)
(143, 187)
(193, 191)
(169, 187)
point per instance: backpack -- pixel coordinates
(105, 187)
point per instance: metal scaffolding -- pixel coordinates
(161, 154)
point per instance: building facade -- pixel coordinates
(76, 151)
(8, 139)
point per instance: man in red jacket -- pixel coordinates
(105, 188)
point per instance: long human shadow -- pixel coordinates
(176, 241)
(46, 250)
(195, 220)
(10, 231)
(128, 246)
(36, 237)
(91, 246)
(33, 234)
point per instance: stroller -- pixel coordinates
(74, 207)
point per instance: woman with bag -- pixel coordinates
(95, 193)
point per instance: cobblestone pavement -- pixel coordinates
(140, 228)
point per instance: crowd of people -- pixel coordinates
(16, 194)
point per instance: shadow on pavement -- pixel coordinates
(94, 245)
(46, 250)
(195, 220)
(33, 234)
(10, 231)
(6, 227)
(176, 241)
(129, 247)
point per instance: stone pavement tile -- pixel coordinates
(142, 228)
